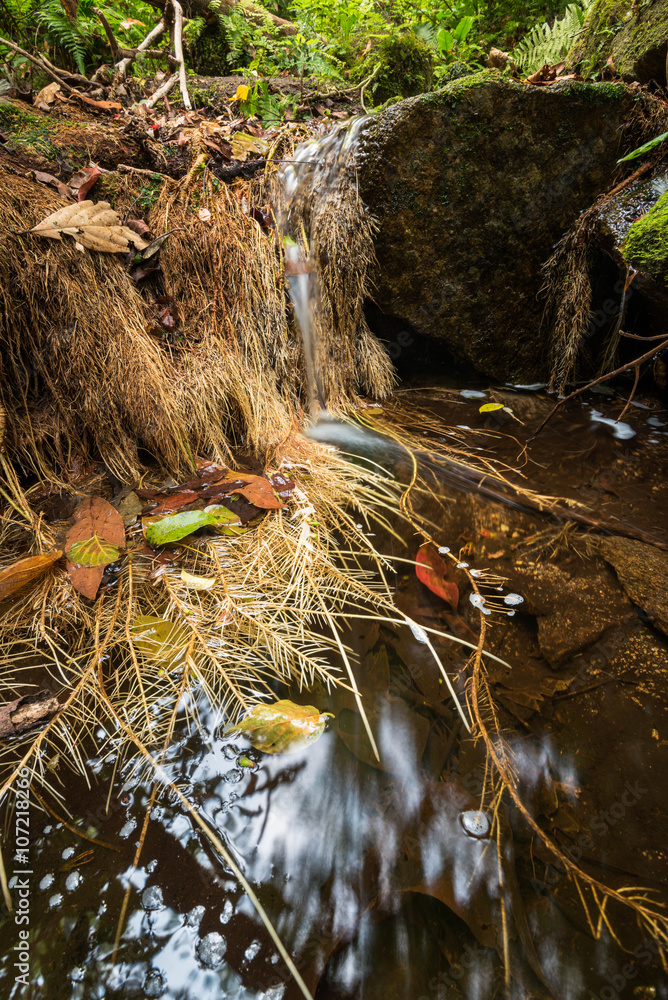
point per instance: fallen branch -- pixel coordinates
(178, 52)
(25, 713)
(38, 62)
(113, 44)
(161, 91)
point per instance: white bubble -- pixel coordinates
(418, 632)
(46, 882)
(72, 881)
(151, 898)
(476, 572)
(462, 565)
(211, 950)
(252, 950)
(443, 550)
(476, 823)
(478, 601)
(194, 916)
(77, 974)
(127, 829)
(56, 900)
(67, 853)
(472, 394)
(228, 910)
(513, 599)
(152, 865)
(154, 983)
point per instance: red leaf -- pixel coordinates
(433, 572)
(83, 181)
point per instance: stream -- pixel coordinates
(408, 878)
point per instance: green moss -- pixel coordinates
(646, 243)
(405, 67)
(593, 46)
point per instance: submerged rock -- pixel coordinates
(472, 186)
(642, 571)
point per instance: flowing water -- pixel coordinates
(402, 879)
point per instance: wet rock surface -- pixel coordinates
(643, 573)
(472, 186)
(634, 37)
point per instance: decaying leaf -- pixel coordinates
(160, 641)
(95, 226)
(194, 582)
(243, 144)
(44, 178)
(260, 492)
(282, 727)
(93, 552)
(95, 523)
(13, 578)
(172, 527)
(83, 181)
(435, 573)
(47, 95)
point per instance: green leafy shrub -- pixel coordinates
(549, 43)
(402, 64)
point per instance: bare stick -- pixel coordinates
(122, 66)
(161, 91)
(108, 32)
(38, 63)
(178, 52)
(602, 378)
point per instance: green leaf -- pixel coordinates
(162, 642)
(490, 407)
(641, 150)
(173, 527)
(445, 40)
(282, 727)
(463, 28)
(92, 552)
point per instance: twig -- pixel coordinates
(178, 52)
(161, 91)
(124, 168)
(113, 44)
(38, 63)
(122, 66)
(601, 378)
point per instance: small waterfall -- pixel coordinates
(327, 239)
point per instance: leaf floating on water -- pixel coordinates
(93, 551)
(491, 407)
(162, 642)
(13, 578)
(94, 518)
(194, 582)
(174, 527)
(434, 572)
(282, 727)
(95, 226)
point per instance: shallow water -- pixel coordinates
(384, 881)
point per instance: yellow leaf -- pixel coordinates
(283, 727)
(490, 407)
(25, 571)
(242, 93)
(193, 582)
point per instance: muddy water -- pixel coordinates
(383, 881)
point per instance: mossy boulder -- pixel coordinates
(646, 243)
(472, 186)
(636, 36)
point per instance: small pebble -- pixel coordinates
(211, 950)
(151, 898)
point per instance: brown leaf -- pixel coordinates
(47, 95)
(94, 516)
(138, 226)
(259, 491)
(222, 148)
(102, 105)
(83, 181)
(95, 226)
(43, 178)
(13, 578)
(433, 572)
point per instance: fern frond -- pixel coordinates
(547, 43)
(61, 31)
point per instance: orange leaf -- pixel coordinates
(433, 572)
(259, 491)
(94, 516)
(23, 572)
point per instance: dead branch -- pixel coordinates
(25, 713)
(38, 62)
(122, 66)
(113, 44)
(161, 91)
(178, 51)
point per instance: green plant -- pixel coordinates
(548, 43)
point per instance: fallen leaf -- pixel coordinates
(282, 727)
(222, 148)
(433, 572)
(260, 492)
(92, 551)
(83, 181)
(490, 407)
(282, 485)
(150, 249)
(162, 642)
(243, 144)
(13, 578)
(138, 226)
(47, 95)
(95, 226)
(173, 527)
(102, 105)
(43, 178)
(204, 214)
(95, 521)
(194, 582)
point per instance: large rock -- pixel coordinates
(643, 573)
(636, 37)
(472, 186)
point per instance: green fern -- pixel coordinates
(547, 43)
(63, 32)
